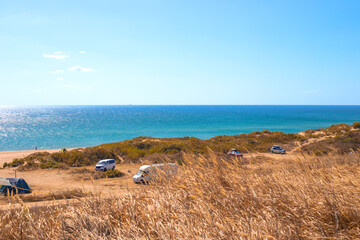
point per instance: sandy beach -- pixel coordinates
(8, 156)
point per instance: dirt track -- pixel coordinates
(45, 182)
(48, 181)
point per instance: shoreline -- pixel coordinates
(8, 156)
(54, 128)
(41, 150)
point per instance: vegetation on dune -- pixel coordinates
(340, 138)
(213, 198)
(144, 146)
(341, 144)
(57, 195)
(356, 125)
(64, 159)
(156, 150)
(253, 142)
(85, 173)
(114, 173)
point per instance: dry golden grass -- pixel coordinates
(211, 198)
(56, 195)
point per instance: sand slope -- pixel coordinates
(10, 155)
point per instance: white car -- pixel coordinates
(277, 149)
(105, 164)
(150, 173)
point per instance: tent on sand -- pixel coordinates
(14, 186)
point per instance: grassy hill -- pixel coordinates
(211, 198)
(341, 138)
(296, 196)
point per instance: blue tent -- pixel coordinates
(14, 186)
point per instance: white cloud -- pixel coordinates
(60, 79)
(58, 71)
(82, 52)
(81, 69)
(56, 55)
(58, 52)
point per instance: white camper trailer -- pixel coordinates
(154, 172)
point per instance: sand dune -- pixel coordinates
(10, 155)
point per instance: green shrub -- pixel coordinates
(17, 162)
(49, 164)
(29, 165)
(338, 128)
(114, 173)
(63, 166)
(5, 164)
(356, 125)
(180, 161)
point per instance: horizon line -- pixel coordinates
(62, 105)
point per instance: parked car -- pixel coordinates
(277, 149)
(105, 164)
(234, 152)
(151, 173)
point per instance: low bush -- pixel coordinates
(341, 128)
(17, 162)
(114, 173)
(49, 164)
(65, 194)
(81, 171)
(341, 143)
(29, 165)
(356, 125)
(85, 173)
(96, 175)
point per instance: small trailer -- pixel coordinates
(154, 172)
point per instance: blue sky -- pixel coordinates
(179, 52)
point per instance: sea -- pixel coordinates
(53, 127)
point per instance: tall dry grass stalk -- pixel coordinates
(212, 198)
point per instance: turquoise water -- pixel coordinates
(49, 127)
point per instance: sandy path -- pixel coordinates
(45, 181)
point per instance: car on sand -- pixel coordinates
(234, 152)
(277, 149)
(105, 164)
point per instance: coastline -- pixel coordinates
(8, 156)
(77, 126)
(139, 147)
(174, 145)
